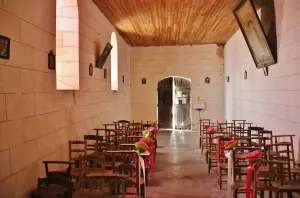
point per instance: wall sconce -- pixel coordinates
(51, 60)
(207, 80)
(144, 81)
(228, 79)
(245, 75)
(105, 73)
(123, 79)
(4, 47)
(91, 69)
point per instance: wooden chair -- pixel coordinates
(94, 187)
(211, 151)
(81, 149)
(136, 127)
(289, 140)
(63, 174)
(203, 124)
(281, 152)
(53, 187)
(94, 142)
(263, 180)
(122, 124)
(76, 149)
(222, 165)
(240, 164)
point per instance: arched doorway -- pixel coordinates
(174, 103)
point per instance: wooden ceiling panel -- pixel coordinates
(171, 22)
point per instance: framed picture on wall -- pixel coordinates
(101, 60)
(4, 47)
(252, 29)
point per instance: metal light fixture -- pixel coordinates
(105, 73)
(207, 80)
(91, 69)
(51, 60)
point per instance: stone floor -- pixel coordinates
(180, 170)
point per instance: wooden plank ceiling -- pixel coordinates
(171, 22)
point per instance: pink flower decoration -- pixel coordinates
(153, 129)
(254, 155)
(147, 140)
(210, 129)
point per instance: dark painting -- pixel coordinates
(254, 34)
(101, 60)
(4, 47)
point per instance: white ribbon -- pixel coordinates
(142, 166)
(229, 175)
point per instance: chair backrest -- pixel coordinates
(123, 124)
(273, 173)
(93, 141)
(287, 139)
(281, 152)
(81, 149)
(62, 172)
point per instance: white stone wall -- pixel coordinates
(36, 120)
(271, 101)
(193, 62)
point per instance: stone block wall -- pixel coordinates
(271, 101)
(193, 62)
(36, 120)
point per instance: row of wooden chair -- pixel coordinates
(103, 164)
(278, 171)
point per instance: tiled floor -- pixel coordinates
(180, 170)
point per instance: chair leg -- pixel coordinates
(235, 193)
(290, 195)
(280, 194)
(209, 165)
(262, 194)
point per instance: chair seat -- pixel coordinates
(288, 185)
(241, 156)
(106, 174)
(223, 165)
(141, 180)
(260, 186)
(49, 191)
(86, 193)
(295, 170)
(239, 185)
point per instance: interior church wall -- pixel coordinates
(269, 101)
(36, 120)
(193, 62)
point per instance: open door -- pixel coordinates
(182, 97)
(165, 103)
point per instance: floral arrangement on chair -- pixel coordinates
(254, 156)
(230, 145)
(212, 129)
(222, 137)
(141, 146)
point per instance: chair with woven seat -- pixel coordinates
(203, 124)
(76, 149)
(222, 166)
(239, 167)
(53, 187)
